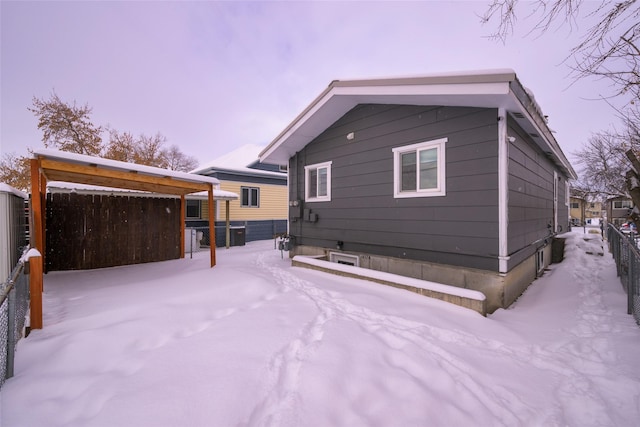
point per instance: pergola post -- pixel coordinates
(183, 225)
(37, 242)
(228, 225)
(212, 226)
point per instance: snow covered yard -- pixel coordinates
(256, 342)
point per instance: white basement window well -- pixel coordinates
(341, 258)
(317, 180)
(419, 169)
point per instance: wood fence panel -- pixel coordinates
(95, 231)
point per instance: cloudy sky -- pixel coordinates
(212, 76)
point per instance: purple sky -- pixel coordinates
(213, 76)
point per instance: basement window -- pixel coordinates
(539, 262)
(344, 259)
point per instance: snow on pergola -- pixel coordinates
(53, 165)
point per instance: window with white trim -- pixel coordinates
(317, 179)
(250, 197)
(419, 169)
(621, 204)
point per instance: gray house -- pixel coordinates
(450, 178)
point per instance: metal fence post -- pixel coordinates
(630, 279)
(11, 333)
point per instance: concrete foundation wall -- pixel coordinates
(500, 290)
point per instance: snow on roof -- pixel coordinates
(5, 188)
(69, 187)
(117, 165)
(238, 160)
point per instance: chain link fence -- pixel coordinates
(624, 248)
(14, 308)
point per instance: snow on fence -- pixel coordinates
(14, 305)
(624, 249)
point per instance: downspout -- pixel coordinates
(503, 191)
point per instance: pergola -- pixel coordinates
(51, 165)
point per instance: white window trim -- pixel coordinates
(307, 168)
(337, 257)
(250, 206)
(397, 170)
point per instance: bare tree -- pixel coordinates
(609, 49)
(67, 127)
(604, 164)
(15, 171)
(178, 161)
(121, 146)
(149, 151)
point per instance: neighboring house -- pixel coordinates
(450, 178)
(261, 210)
(618, 209)
(584, 212)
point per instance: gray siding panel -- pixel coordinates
(459, 229)
(531, 197)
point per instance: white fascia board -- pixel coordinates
(471, 89)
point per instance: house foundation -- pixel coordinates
(500, 290)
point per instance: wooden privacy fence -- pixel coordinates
(96, 231)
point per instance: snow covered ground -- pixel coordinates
(256, 342)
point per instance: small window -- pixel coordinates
(539, 262)
(193, 208)
(250, 197)
(341, 258)
(318, 182)
(575, 205)
(419, 169)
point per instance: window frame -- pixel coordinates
(315, 167)
(194, 203)
(622, 203)
(250, 198)
(440, 189)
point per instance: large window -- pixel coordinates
(419, 169)
(317, 180)
(250, 197)
(621, 204)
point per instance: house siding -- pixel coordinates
(531, 198)
(273, 203)
(460, 228)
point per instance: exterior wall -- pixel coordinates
(12, 232)
(531, 200)
(273, 203)
(452, 239)
(591, 210)
(617, 216)
(460, 228)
